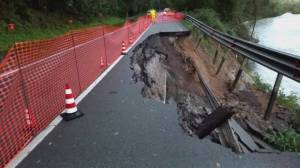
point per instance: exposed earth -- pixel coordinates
(167, 67)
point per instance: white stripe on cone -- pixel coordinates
(68, 91)
(71, 110)
(70, 101)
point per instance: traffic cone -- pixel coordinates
(102, 62)
(123, 47)
(71, 111)
(29, 119)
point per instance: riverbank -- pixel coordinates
(249, 99)
(281, 33)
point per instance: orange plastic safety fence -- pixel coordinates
(169, 17)
(33, 75)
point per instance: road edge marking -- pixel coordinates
(43, 134)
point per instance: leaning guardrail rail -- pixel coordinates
(284, 64)
(281, 62)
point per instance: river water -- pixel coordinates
(281, 33)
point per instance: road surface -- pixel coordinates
(121, 129)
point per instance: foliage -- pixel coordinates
(285, 141)
(289, 101)
(51, 16)
(210, 17)
(281, 7)
(55, 28)
(260, 85)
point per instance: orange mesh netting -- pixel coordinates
(34, 73)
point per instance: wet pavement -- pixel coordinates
(122, 129)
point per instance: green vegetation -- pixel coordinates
(26, 32)
(288, 101)
(210, 17)
(41, 19)
(38, 19)
(291, 102)
(285, 141)
(282, 7)
(260, 85)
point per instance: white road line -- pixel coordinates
(42, 135)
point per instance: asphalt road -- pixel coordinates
(121, 129)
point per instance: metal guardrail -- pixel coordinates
(281, 62)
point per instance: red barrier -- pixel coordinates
(33, 75)
(169, 17)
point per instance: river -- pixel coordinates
(281, 33)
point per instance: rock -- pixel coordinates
(247, 78)
(207, 110)
(233, 103)
(254, 129)
(242, 86)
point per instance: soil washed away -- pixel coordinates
(169, 76)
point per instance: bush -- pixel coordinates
(288, 101)
(291, 102)
(210, 17)
(285, 141)
(260, 85)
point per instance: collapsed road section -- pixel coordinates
(169, 74)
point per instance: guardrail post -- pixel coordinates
(273, 96)
(220, 66)
(216, 54)
(193, 30)
(222, 62)
(239, 74)
(199, 41)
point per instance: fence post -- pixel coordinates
(239, 74)
(24, 90)
(273, 96)
(139, 26)
(76, 61)
(105, 52)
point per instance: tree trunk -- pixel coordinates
(255, 17)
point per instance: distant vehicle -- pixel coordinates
(168, 12)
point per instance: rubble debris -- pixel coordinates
(170, 74)
(213, 121)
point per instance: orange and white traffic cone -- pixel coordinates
(123, 47)
(71, 111)
(102, 62)
(29, 119)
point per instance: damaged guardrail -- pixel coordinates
(284, 64)
(281, 62)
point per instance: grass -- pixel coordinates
(285, 141)
(259, 84)
(30, 32)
